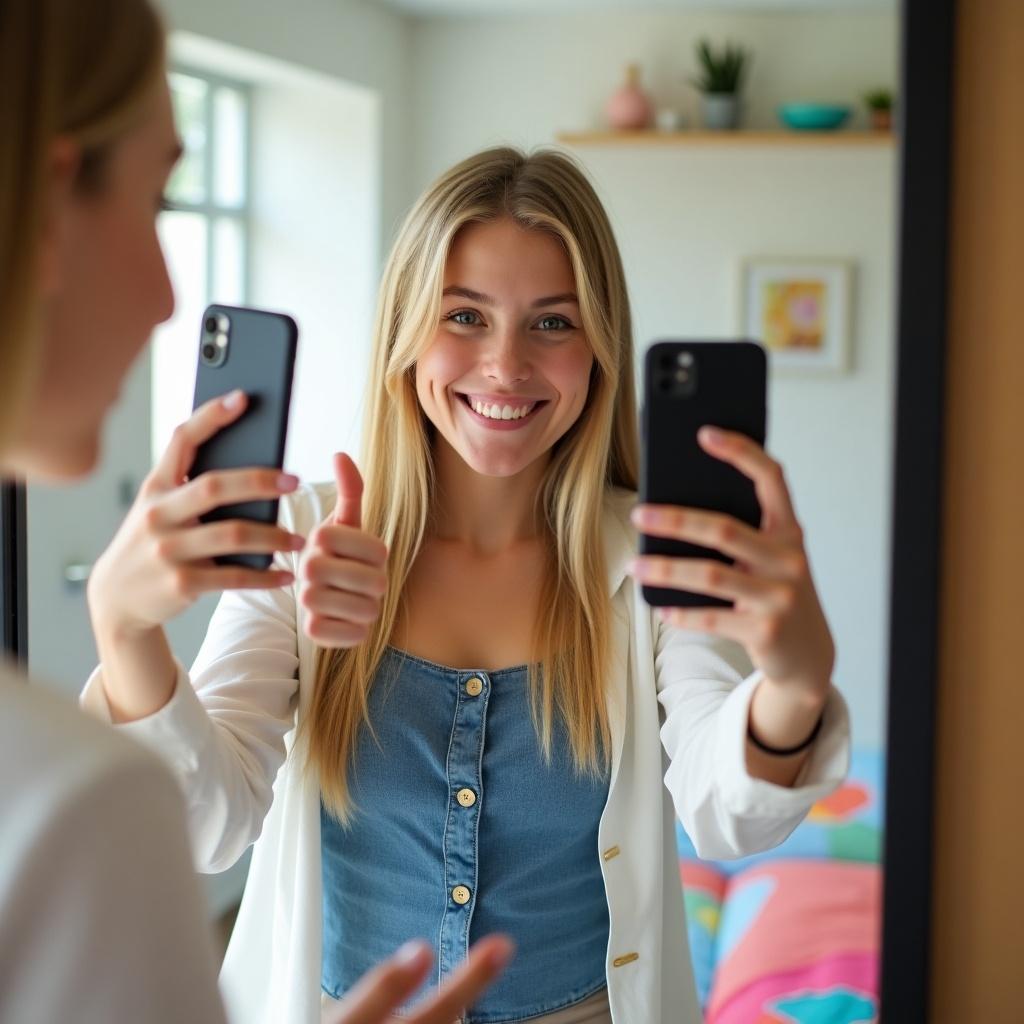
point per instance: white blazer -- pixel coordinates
(678, 706)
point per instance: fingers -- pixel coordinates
(232, 537)
(721, 533)
(339, 604)
(344, 573)
(707, 576)
(221, 487)
(331, 632)
(742, 627)
(348, 511)
(386, 987)
(204, 422)
(486, 960)
(190, 582)
(753, 462)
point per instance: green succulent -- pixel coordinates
(879, 99)
(721, 72)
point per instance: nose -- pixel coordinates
(163, 300)
(507, 358)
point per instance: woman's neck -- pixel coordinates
(488, 514)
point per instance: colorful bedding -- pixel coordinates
(791, 936)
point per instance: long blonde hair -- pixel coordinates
(68, 68)
(543, 191)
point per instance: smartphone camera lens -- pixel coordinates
(211, 324)
(209, 352)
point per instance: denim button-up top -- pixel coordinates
(462, 828)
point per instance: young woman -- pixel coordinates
(460, 715)
(101, 919)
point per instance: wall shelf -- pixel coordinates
(697, 137)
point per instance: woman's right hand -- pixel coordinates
(341, 574)
(386, 987)
(161, 559)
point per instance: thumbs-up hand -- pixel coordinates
(341, 574)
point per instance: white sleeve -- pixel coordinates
(223, 731)
(101, 916)
(705, 685)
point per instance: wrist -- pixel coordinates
(113, 630)
(808, 695)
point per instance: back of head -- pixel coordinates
(77, 69)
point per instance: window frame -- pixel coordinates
(210, 210)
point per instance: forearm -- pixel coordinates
(138, 670)
(781, 718)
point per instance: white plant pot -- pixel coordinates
(720, 111)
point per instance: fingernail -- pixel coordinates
(711, 434)
(641, 516)
(411, 954)
(298, 543)
(234, 399)
(287, 482)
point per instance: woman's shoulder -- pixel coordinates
(64, 754)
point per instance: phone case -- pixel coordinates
(687, 385)
(260, 360)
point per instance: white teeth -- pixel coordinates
(500, 412)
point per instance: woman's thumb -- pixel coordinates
(348, 511)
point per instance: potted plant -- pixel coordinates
(720, 82)
(879, 103)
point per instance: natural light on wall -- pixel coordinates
(205, 231)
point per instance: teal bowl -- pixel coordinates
(813, 117)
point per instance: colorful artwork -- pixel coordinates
(799, 310)
(794, 314)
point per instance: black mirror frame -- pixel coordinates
(926, 137)
(13, 576)
(926, 132)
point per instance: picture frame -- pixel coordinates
(800, 310)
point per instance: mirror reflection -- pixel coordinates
(486, 797)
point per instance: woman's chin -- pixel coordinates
(54, 462)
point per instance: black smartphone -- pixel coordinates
(688, 385)
(251, 350)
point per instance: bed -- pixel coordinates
(791, 936)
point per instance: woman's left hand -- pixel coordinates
(776, 615)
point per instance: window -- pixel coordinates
(205, 231)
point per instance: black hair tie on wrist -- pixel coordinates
(787, 751)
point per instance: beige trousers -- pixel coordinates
(593, 1010)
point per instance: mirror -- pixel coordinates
(304, 152)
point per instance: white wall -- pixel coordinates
(356, 41)
(686, 217)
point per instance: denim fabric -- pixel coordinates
(526, 849)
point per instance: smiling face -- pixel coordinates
(104, 287)
(508, 370)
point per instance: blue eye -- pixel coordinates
(455, 318)
(554, 323)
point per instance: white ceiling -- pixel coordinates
(478, 8)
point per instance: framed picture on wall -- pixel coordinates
(800, 310)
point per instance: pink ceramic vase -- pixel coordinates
(630, 108)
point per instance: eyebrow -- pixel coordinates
(489, 300)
